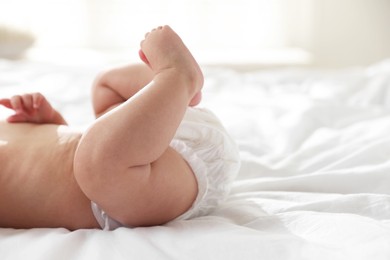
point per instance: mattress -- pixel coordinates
(314, 181)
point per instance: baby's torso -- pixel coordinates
(37, 185)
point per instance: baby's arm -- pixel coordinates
(32, 108)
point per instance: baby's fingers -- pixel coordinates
(16, 103)
(5, 102)
(16, 118)
(27, 102)
(37, 99)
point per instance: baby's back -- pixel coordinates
(37, 186)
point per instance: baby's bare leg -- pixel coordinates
(145, 124)
(124, 162)
(115, 86)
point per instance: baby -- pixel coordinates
(148, 159)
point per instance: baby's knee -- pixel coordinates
(101, 79)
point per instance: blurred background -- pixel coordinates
(239, 33)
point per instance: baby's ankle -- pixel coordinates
(183, 79)
(166, 54)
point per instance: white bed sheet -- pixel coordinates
(314, 181)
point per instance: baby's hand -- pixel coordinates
(29, 108)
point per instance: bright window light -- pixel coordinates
(242, 29)
(111, 24)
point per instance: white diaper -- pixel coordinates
(211, 153)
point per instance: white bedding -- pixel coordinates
(314, 181)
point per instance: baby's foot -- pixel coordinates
(163, 49)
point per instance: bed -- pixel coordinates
(314, 181)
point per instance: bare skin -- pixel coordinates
(49, 173)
